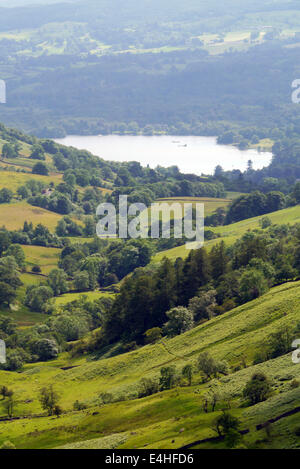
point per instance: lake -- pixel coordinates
(191, 154)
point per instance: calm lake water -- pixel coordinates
(191, 154)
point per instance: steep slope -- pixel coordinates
(157, 420)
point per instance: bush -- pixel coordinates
(5, 196)
(153, 335)
(225, 423)
(180, 320)
(147, 387)
(40, 168)
(106, 397)
(258, 389)
(79, 406)
(295, 384)
(168, 378)
(46, 349)
(297, 431)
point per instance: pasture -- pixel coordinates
(13, 216)
(91, 296)
(46, 258)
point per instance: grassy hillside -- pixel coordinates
(169, 419)
(210, 204)
(91, 296)
(46, 258)
(14, 180)
(230, 233)
(13, 216)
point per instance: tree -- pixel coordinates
(69, 326)
(153, 335)
(225, 423)
(9, 151)
(5, 195)
(58, 281)
(4, 392)
(258, 389)
(187, 372)
(61, 229)
(219, 260)
(147, 387)
(9, 404)
(38, 298)
(7, 293)
(296, 192)
(210, 367)
(168, 377)
(207, 365)
(265, 222)
(253, 284)
(180, 320)
(4, 241)
(280, 342)
(40, 168)
(204, 306)
(81, 281)
(16, 251)
(14, 360)
(9, 280)
(89, 226)
(37, 153)
(233, 438)
(46, 349)
(57, 410)
(48, 398)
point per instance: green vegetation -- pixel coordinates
(234, 337)
(148, 343)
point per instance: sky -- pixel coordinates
(18, 3)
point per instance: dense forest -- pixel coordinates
(131, 78)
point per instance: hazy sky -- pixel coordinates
(17, 3)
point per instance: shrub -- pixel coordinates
(258, 389)
(79, 406)
(168, 378)
(153, 335)
(40, 168)
(295, 384)
(147, 387)
(225, 423)
(297, 431)
(106, 397)
(180, 320)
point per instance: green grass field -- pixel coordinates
(230, 233)
(13, 180)
(91, 296)
(210, 204)
(13, 216)
(157, 421)
(46, 258)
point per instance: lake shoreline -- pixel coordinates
(192, 154)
